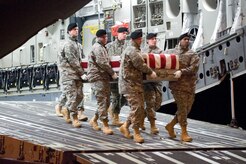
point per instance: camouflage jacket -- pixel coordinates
(152, 85)
(69, 59)
(99, 64)
(189, 65)
(131, 70)
(155, 50)
(116, 47)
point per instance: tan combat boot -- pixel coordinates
(170, 127)
(137, 137)
(106, 129)
(66, 115)
(153, 128)
(124, 129)
(58, 109)
(75, 120)
(116, 120)
(184, 135)
(94, 124)
(82, 116)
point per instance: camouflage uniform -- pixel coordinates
(183, 89)
(116, 48)
(131, 82)
(99, 74)
(152, 90)
(70, 74)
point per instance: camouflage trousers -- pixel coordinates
(74, 95)
(63, 99)
(136, 103)
(184, 101)
(117, 100)
(101, 90)
(153, 98)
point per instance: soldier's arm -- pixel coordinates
(103, 62)
(138, 62)
(72, 60)
(194, 65)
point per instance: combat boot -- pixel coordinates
(66, 115)
(116, 120)
(184, 135)
(75, 120)
(82, 116)
(106, 129)
(94, 124)
(58, 109)
(137, 137)
(170, 127)
(153, 128)
(124, 129)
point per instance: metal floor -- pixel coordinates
(37, 123)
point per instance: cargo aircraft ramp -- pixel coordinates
(31, 132)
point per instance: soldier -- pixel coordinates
(99, 75)
(70, 75)
(131, 84)
(116, 48)
(152, 90)
(183, 89)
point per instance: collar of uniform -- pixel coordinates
(119, 42)
(181, 50)
(99, 42)
(73, 38)
(152, 47)
(135, 44)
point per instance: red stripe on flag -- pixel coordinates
(151, 61)
(84, 64)
(163, 60)
(115, 64)
(173, 61)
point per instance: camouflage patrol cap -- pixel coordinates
(136, 34)
(151, 35)
(122, 29)
(101, 32)
(71, 26)
(184, 35)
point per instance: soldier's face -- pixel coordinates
(138, 41)
(122, 36)
(184, 43)
(104, 39)
(152, 41)
(74, 32)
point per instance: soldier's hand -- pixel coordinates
(114, 76)
(177, 74)
(153, 75)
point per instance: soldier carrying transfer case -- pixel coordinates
(99, 75)
(152, 90)
(131, 84)
(116, 48)
(183, 89)
(70, 75)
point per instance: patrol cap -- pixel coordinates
(136, 34)
(71, 26)
(101, 32)
(151, 35)
(184, 35)
(122, 29)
